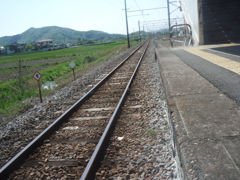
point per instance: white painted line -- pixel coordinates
(134, 107)
(90, 118)
(59, 112)
(71, 128)
(114, 83)
(98, 109)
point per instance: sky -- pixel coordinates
(16, 16)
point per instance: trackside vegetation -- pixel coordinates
(16, 91)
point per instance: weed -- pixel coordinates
(166, 127)
(10, 94)
(89, 58)
(152, 132)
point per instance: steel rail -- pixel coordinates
(17, 160)
(97, 155)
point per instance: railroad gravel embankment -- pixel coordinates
(141, 147)
(19, 131)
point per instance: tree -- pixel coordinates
(28, 46)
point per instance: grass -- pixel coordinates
(68, 52)
(12, 94)
(151, 132)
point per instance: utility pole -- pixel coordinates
(169, 23)
(127, 23)
(20, 82)
(139, 31)
(143, 33)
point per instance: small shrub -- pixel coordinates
(89, 58)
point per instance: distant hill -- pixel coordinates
(57, 34)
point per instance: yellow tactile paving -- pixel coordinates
(218, 60)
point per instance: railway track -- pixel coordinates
(140, 146)
(73, 144)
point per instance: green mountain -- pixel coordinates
(58, 35)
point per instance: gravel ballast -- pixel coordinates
(18, 132)
(141, 145)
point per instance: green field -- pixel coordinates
(15, 92)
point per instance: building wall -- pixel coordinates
(213, 21)
(191, 15)
(220, 21)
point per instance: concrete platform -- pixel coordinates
(204, 121)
